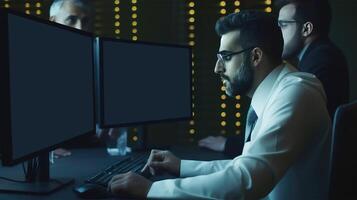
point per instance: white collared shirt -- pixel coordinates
(286, 158)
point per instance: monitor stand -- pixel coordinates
(38, 181)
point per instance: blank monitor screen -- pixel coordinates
(50, 85)
(143, 82)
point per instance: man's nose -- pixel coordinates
(219, 68)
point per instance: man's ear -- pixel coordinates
(256, 56)
(52, 19)
(307, 29)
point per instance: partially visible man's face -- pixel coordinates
(291, 30)
(237, 73)
(73, 16)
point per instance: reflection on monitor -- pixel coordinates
(142, 82)
(47, 85)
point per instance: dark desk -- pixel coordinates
(86, 162)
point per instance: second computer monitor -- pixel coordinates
(142, 82)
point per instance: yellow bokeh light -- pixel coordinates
(191, 27)
(117, 31)
(236, 10)
(116, 9)
(191, 19)
(27, 12)
(237, 132)
(223, 96)
(237, 105)
(223, 114)
(191, 35)
(191, 12)
(116, 2)
(134, 30)
(135, 138)
(117, 16)
(117, 24)
(191, 4)
(27, 5)
(237, 115)
(237, 124)
(134, 23)
(192, 122)
(223, 105)
(134, 16)
(223, 11)
(134, 38)
(223, 88)
(267, 2)
(237, 3)
(268, 9)
(38, 12)
(7, 5)
(134, 1)
(191, 43)
(223, 123)
(222, 3)
(192, 131)
(237, 97)
(38, 4)
(134, 8)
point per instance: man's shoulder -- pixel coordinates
(323, 58)
(321, 50)
(291, 74)
(298, 79)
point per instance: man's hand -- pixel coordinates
(162, 161)
(214, 143)
(130, 184)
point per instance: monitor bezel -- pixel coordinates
(6, 142)
(100, 72)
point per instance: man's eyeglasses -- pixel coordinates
(226, 56)
(283, 23)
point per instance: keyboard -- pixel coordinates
(133, 163)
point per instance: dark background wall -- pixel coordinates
(344, 33)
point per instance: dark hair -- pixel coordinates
(318, 12)
(257, 29)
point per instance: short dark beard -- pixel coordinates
(243, 82)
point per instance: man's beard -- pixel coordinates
(291, 52)
(242, 81)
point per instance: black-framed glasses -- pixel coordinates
(283, 23)
(226, 56)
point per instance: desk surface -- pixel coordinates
(86, 162)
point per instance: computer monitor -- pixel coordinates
(47, 88)
(141, 82)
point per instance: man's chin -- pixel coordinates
(231, 93)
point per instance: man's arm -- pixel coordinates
(285, 132)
